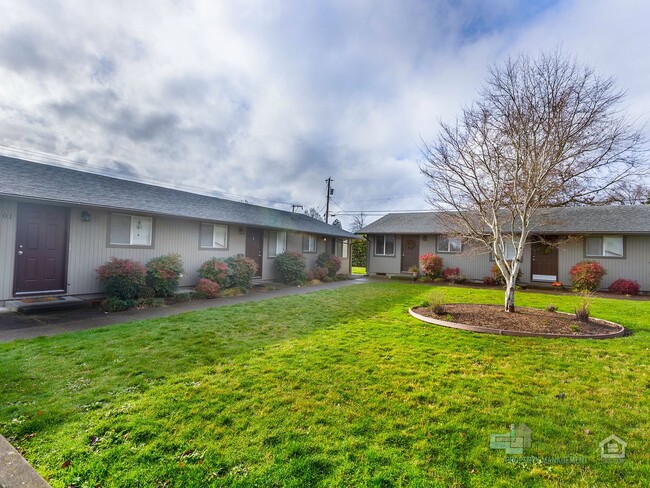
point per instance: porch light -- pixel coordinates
(85, 216)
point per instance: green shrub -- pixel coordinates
(123, 278)
(182, 297)
(359, 249)
(431, 265)
(498, 278)
(150, 302)
(216, 270)
(241, 271)
(234, 292)
(164, 274)
(586, 275)
(206, 288)
(292, 267)
(330, 262)
(115, 304)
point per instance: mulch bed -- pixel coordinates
(523, 320)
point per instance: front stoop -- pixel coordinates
(56, 303)
(15, 471)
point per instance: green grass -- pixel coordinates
(334, 388)
(358, 270)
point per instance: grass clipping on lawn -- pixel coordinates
(333, 388)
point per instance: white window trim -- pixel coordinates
(130, 243)
(280, 236)
(448, 251)
(602, 254)
(310, 239)
(383, 253)
(214, 239)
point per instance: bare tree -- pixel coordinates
(358, 222)
(544, 132)
(337, 223)
(313, 213)
(629, 193)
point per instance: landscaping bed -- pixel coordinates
(526, 320)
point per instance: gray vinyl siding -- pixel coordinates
(7, 247)
(635, 265)
(88, 247)
(384, 264)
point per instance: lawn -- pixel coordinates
(358, 270)
(333, 388)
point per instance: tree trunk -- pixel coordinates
(510, 297)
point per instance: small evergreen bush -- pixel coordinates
(625, 287)
(164, 274)
(216, 270)
(586, 275)
(292, 267)
(206, 288)
(330, 262)
(123, 278)
(431, 265)
(115, 304)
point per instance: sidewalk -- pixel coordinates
(18, 326)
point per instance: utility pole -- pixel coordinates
(330, 192)
(294, 207)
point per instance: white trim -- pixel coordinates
(549, 278)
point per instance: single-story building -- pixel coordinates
(616, 236)
(58, 225)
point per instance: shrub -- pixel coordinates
(431, 265)
(625, 287)
(151, 302)
(164, 274)
(234, 292)
(216, 270)
(292, 267)
(449, 272)
(489, 280)
(330, 262)
(551, 308)
(583, 311)
(123, 278)
(498, 277)
(437, 303)
(439, 279)
(241, 271)
(457, 278)
(182, 297)
(115, 304)
(206, 288)
(586, 275)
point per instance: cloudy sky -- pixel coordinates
(263, 100)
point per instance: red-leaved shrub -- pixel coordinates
(207, 288)
(586, 275)
(450, 272)
(123, 278)
(216, 270)
(625, 287)
(431, 265)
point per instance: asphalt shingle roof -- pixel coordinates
(30, 180)
(613, 219)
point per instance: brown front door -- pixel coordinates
(41, 249)
(410, 251)
(544, 262)
(254, 246)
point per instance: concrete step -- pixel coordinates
(29, 305)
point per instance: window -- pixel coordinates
(510, 252)
(214, 236)
(384, 245)
(604, 246)
(277, 243)
(341, 248)
(130, 230)
(449, 244)
(308, 243)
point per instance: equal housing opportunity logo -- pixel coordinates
(519, 438)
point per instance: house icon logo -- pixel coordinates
(612, 447)
(515, 441)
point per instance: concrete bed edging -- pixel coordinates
(487, 330)
(15, 471)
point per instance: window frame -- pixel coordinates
(449, 240)
(214, 248)
(309, 238)
(514, 251)
(110, 244)
(383, 254)
(270, 240)
(602, 246)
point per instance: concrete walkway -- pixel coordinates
(18, 326)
